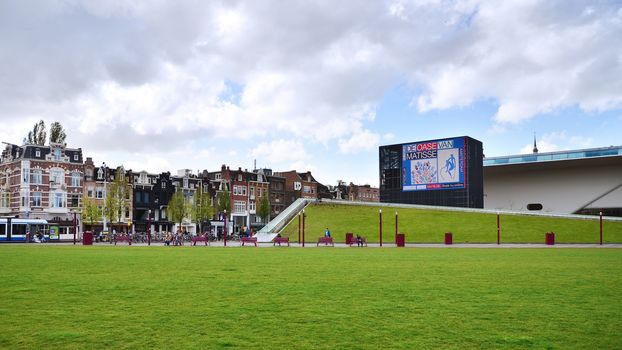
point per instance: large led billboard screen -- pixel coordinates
(434, 165)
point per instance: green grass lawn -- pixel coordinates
(317, 298)
(423, 225)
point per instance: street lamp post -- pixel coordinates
(74, 227)
(104, 196)
(149, 227)
(225, 229)
(380, 212)
(298, 228)
(498, 230)
(303, 227)
(601, 227)
(396, 226)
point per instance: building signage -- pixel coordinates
(433, 165)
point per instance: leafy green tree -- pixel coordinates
(264, 209)
(177, 208)
(38, 135)
(202, 209)
(117, 198)
(57, 133)
(224, 202)
(90, 212)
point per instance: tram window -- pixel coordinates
(2, 229)
(18, 229)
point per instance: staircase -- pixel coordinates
(268, 232)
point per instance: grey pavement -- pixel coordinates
(237, 244)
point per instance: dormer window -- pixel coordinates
(163, 184)
(240, 178)
(100, 174)
(56, 153)
(75, 157)
(37, 153)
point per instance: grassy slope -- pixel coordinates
(191, 297)
(430, 225)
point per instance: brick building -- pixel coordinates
(42, 182)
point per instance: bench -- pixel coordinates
(363, 239)
(249, 240)
(122, 239)
(325, 241)
(196, 239)
(280, 240)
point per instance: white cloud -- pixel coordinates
(133, 78)
(558, 141)
(361, 140)
(388, 137)
(280, 151)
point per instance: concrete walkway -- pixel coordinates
(237, 244)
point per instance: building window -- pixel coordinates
(252, 206)
(38, 153)
(137, 197)
(57, 176)
(100, 174)
(99, 193)
(252, 191)
(163, 184)
(59, 200)
(75, 157)
(240, 178)
(218, 176)
(185, 183)
(36, 199)
(75, 179)
(37, 177)
(90, 192)
(56, 154)
(25, 175)
(75, 200)
(239, 207)
(4, 199)
(146, 197)
(24, 198)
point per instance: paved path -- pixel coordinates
(236, 244)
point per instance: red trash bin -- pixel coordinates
(400, 240)
(349, 238)
(87, 238)
(449, 239)
(549, 238)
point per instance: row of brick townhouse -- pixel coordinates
(352, 192)
(51, 182)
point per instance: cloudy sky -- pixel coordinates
(309, 85)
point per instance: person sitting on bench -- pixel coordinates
(359, 241)
(327, 233)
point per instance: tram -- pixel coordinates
(22, 230)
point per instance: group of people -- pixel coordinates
(176, 239)
(359, 240)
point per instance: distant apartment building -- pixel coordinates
(42, 182)
(364, 193)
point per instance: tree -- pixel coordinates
(57, 133)
(224, 201)
(117, 199)
(202, 209)
(90, 212)
(38, 135)
(264, 209)
(177, 208)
